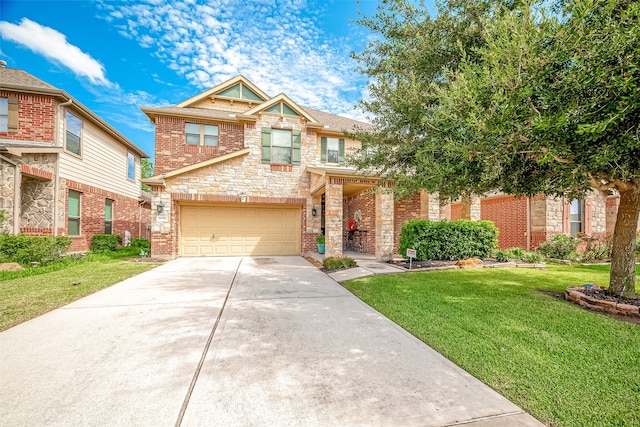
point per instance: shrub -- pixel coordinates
(141, 243)
(448, 240)
(518, 254)
(320, 239)
(105, 242)
(26, 249)
(559, 246)
(335, 263)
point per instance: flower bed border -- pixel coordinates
(574, 295)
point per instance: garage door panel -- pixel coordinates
(239, 230)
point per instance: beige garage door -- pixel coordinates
(232, 230)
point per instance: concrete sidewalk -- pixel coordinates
(367, 266)
(288, 347)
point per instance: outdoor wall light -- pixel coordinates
(314, 212)
(160, 207)
(243, 198)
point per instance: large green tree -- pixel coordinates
(506, 96)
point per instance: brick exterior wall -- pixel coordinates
(404, 210)
(366, 203)
(172, 152)
(36, 118)
(127, 215)
(509, 214)
(455, 211)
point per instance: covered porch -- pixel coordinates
(345, 195)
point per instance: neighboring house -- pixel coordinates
(63, 170)
(240, 172)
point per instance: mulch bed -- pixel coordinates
(434, 263)
(148, 259)
(600, 294)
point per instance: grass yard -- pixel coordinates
(564, 365)
(29, 293)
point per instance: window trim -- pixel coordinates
(581, 213)
(73, 217)
(202, 135)
(108, 202)
(5, 99)
(131, 158)
(66, 131)
(267, 144)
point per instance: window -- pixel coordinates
(108, 216)
(131, 166)
(73, 215)
(74, 134)
(4, 114)
(332, 150)
(280, 146)
(196, 134)
(576, 218)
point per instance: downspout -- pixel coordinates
(140, 203)
(56, 183)
(528, 224)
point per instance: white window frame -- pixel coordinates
(576, 216)
(109, 221)
(78, 217)
(68, 131)
(4, 114)
(203, 135)
(131, 166)
(282, 132)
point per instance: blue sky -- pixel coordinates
(114, 56)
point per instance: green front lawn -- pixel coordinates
(564, 365)
(34, 291)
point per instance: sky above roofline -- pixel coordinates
(114, 56)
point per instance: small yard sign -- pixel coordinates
(411, 254)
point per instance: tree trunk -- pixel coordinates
(623, 252)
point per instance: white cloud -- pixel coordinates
(54, 45)
(277, 45)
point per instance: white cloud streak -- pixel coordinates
(279, 46)
(54, 45)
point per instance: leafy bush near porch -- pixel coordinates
(26, 249)
(518, 254)
(105, 242)
(141, 243)
(559, 246)
(335, 263)
(448, 240)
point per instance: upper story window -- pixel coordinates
(197, 134)
(131, 166)
(9, 114)
(576, 218)
(73, 139)
(280, 146)
(4, 114)
(332, 150)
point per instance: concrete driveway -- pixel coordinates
(288, 347)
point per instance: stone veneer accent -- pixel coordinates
(7, 188)
(333, 220)
(384, 227)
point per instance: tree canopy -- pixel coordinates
(494, 95)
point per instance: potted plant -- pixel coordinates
(320, 242)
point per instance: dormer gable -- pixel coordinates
(281, 105)
(237, 89)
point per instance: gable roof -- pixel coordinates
(282, 98)
(239, 79)
(333, 122)
(13, 79)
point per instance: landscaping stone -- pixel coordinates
(10, 266)
(599, 302)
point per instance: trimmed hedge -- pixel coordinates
(105, 242)
(141, 243)
(26, 249)
(448, 240)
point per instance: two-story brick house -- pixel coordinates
(64, 170)
(239, 172)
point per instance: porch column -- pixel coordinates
(333, 220)
(429, 206)
(470, 208)
(384, 227)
